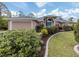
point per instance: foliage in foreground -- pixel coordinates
(76, 31)
(3, 23)
(19, 43)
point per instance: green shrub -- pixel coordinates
(19, 44)
(67, 28)
(52, 30)
(73, 26)
(44, 32)
(3, 23)
(76, 31)
(39, 27)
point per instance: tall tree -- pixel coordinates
(4, 9)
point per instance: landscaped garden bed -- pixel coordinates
(44, 39)
(27, 43)
(46, 32)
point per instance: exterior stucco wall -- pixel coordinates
(34, 24)
(15, 25)
(21, 25)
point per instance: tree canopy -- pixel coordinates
(3, 23)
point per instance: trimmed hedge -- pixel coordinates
(19, 44)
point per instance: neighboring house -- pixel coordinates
(59, 21)
(22, 23)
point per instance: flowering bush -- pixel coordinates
(44, 31)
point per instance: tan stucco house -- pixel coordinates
(22, 23)
(30, 23)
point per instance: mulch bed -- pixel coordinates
(44, 39)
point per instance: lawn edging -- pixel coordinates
(76, 49)
(46, 50)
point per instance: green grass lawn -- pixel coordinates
(61, 45)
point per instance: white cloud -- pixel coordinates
(14, 13)
(54, 12)
(34, 13)
(66, 13)
(73, 10)
(41, 13)
(40, 4)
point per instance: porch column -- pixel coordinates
(10, 25)
(45, 23)
(54, 22)
(31, 24)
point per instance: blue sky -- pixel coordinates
(64, 9)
